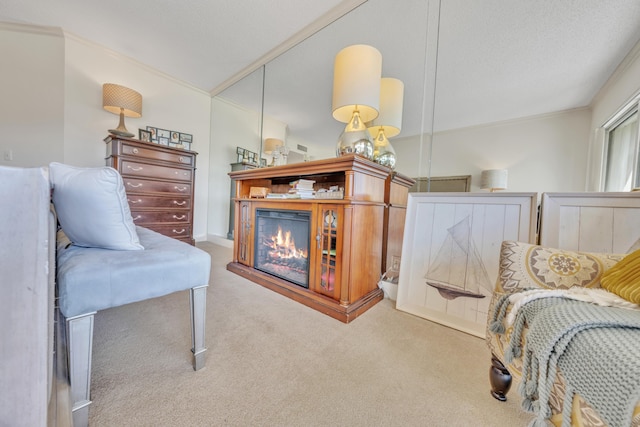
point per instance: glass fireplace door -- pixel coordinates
(282, 244)
(329, 250)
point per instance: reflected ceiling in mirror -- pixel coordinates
(496, 60)
(246, 94)
(299, 83)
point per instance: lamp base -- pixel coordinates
(121, 130)
(121, 133)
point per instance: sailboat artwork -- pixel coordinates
(457, 270)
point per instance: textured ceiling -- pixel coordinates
(496, 59)
(203, 42)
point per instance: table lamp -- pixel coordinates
(123, 101)
(389, 121)
(493, 179)
(272, 147)
(356, 97)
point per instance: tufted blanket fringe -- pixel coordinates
(500, 309)
(562, 334)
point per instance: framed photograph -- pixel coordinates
(451, 250)
(186, 138)
(154, 133)
(175, 137)
(163, 141)
(263, 163)
(163, 133)
(144, 135)
(607, 222)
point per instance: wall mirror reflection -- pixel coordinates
(507, 85)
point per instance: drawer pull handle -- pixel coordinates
(179, 232)
(182, 203)
(181, 159)
(134, 169)
(180, 188)
(134, 185)
(135, 151)
(179, 217)
(137, 217)
(135, 201)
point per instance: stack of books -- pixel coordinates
(283, 196)
(303, 188)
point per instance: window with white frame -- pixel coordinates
(622, 150)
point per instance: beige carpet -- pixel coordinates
(274, 362)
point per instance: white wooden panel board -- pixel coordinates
(590, 222)
(453, 240)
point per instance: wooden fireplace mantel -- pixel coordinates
(346, 235)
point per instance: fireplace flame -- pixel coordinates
(283, 246)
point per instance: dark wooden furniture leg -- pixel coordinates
(500, 379)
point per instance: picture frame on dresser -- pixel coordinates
(164, 133)
(144, 135)
(154, 133)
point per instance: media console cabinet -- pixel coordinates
(345, 240)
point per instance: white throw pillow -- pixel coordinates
(92, 207)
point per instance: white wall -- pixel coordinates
(166, 103)
(31, 95)
(51, 103)
(231, 127)
(622, 87)
(546, 153)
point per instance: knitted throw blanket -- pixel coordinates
(596, 348)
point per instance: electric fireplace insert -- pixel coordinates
(282, 244)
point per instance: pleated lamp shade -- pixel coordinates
(272, 144)
(116, 97)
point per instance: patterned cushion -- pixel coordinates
(623, 279)
(524, 265)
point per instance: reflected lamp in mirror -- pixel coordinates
(493, 179)
(123, 101)
(272, 147)
(389, 121)
(356, 97)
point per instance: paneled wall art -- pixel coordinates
(591, 222)
(451, 250)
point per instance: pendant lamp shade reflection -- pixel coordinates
(356, 96)
(389, 122)
(122, 101)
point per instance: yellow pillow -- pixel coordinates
(623, 279)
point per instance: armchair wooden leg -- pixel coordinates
(500, 379)
(198, 319)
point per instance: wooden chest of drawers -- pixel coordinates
(159, 182)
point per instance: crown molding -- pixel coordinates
(32, 29)
(132, 61)
(620, 70)
(332, 15)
